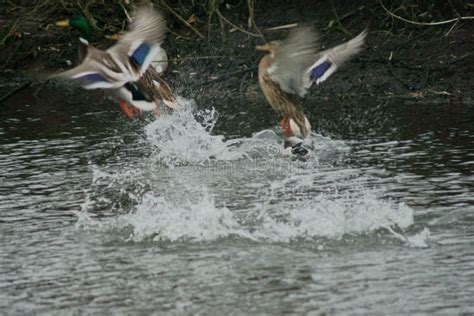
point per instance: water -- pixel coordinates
(102, 215)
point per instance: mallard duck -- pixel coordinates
(126, 67)
(290, 68)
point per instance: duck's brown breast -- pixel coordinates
(280, 101)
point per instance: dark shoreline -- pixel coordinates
(423, 63)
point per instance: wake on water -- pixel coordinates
(289, 207)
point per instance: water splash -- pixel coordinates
(162, 208)
(161, 220)
(185, 138)
(330, 215)
(180, 139)
(418, 240)
(198, 218)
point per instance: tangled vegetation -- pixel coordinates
(219, 36)
(202, 16)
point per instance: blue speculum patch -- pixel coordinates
(320, 70)
(93, 77)
(140, 53)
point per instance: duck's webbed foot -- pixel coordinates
(130, 111)
(157, 107)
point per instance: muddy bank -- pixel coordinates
(214, 58)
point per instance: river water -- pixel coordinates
(100, 215)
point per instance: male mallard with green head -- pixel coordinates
(290, 68)
(127, 67)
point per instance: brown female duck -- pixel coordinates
(290, 68)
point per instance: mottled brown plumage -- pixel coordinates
(282, 102)
(159, 88)
(290, 67)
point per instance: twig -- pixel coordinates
(40, 88)
(182, 20)
(14, 91)
(226, 76)
(12, 30)
(85, 11)
(345, 16)
(339, 21)
(126, 13)
(282, 27)
(451, 28)
(348, 14)
(425, 23)
(250, 20)
(202, 57)
(197, 58)
(241, 87)
(440, 92)
(178, 35)
(454, 9)
(258, 31)
(235, 26)
(209, 25)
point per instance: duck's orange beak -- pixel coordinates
(63, 23)
(264, 48)
(115, 36)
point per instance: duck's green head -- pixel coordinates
(77, 22)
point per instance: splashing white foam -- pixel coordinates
(164, 221)
(421, 239)
(418, 240)
(185, 138)
(293, 210)
(197, 220)
(180, 139)
(332, 216)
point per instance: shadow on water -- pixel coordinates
(102, 214)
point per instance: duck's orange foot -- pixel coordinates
(286, 127)
(157, 105)
(129, 110)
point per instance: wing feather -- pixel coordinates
(127, 60)
(141, 44)
(328, 61)
(292, 58)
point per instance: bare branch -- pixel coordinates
(426, 23)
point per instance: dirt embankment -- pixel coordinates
(211, 44)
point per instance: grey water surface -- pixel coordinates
(100, 215)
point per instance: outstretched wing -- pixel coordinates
(127, 60)
(330, 60)
(97, 70)
(292, 58)
(141, 44)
